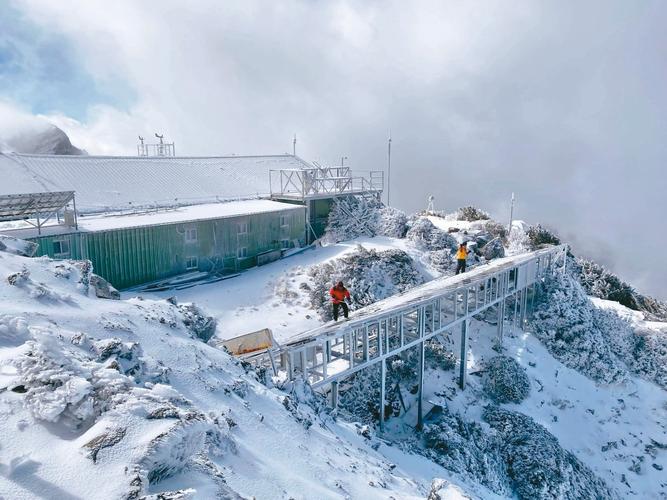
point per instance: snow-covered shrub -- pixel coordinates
(496, 229)
(599, 282)
(368, 275)
(537, 465)
(471, 214)
(505, 381)
(426, 236)
(463, 447)
(352, 217)
(392, 222)
(65, 386)
(438, 356)
(648, 356)
(567, 323)
(517, 241)
(442, 260)
(539, 235)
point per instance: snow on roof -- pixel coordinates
(95, 223)
(104, 183)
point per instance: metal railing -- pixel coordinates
(322, 182)
(329, 354)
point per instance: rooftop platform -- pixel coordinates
(323, 182)
(186, 214)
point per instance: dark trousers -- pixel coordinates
(336, 306)
(460, 266)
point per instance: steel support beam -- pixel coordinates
(334, 394)
(420, 394)
(463, 369)
(383, 381)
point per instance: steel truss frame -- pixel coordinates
(328, 355)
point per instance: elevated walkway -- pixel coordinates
(331, 353)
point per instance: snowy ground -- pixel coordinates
(257, 298)
(246, 433)
(217, 422)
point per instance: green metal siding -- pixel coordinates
(132, 256)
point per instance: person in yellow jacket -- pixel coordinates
(461, 258)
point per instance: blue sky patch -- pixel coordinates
(40, 71)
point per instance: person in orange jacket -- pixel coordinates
(339, 294)
(461, 258)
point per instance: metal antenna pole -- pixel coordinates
(388, 167)
(294, 146)
(509, 229)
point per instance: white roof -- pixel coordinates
(93, 223)
(104, 183)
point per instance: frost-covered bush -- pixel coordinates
(463, 447)
(392, 222)
(438, 356)
(505, 381)
(369, 275)
(352, 217)
(567, 323)
(426, 236)
(599, 282)
(496, 229)
(471, 214)
(517, 241)
(539, 235)
(442, 260)
(65, 386)
(537, 465)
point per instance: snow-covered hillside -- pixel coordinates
(124, 399)
(119, 399)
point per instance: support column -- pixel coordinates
(501, 321)
(463, 371)
(524, 302)
(420, 409)
(334, 394)
(383, 377)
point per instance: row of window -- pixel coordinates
(241, 228)
(192, 262)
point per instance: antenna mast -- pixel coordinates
(509, 230)
(294, 146)
(388, 167)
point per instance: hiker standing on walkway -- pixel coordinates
(338, 296)
(461, 257)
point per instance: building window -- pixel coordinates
(284, 243)
(61, 247)
(284, 221)
(191, 263)
(242, 252)
(191, 235)
(242, 228)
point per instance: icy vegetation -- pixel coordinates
(371, 275)
(596, 341)
(124, 399)
(137, 402)
(352, 217)
(505, 381)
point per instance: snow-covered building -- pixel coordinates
(141, 219)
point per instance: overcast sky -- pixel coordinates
(564, 103)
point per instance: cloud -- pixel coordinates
(562, 104)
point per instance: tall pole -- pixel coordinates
(388, 167)
(509, 229)
(294, 146)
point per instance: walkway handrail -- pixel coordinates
(326, 355)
